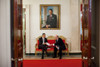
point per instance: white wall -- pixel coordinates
(69, 23)
(5, 33)
(75, 25)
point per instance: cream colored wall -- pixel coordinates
(5, 54)
(69, 23)
(75, 25)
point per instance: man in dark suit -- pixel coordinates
(42, 44)
(51, 20)
(59, 45)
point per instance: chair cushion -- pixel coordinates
(51, 41)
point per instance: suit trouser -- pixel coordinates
(60, 51)
(44, 48)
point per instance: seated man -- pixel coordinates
(59, 45)
(43, 44)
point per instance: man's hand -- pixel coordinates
(47, 26)
(44, 43)
(57, 47)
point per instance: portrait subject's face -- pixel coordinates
(50, 12)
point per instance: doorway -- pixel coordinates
(19, 39)
(33, 25)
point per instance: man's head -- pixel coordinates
(56, 37)
(43, 35)
(50, 11)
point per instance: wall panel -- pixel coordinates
(5, 33)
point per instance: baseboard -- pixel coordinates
(52, 53)
(29, 53)
(75, 52)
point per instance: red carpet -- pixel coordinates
(53, 63)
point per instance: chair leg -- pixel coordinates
(35, 53)
(67, 53)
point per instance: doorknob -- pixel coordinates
(85, 58)
(92, 58)
(12, 59)
(21, 59)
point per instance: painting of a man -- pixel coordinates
(50, 17)
(51, 20)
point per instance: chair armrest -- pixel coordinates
(66, 45)
(36, 45)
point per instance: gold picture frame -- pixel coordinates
(45, 14)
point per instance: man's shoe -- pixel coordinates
(60, 57)
(54, 57)
(42, 58)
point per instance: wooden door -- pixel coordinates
(16, 33)
(90, 27)
(86, 27)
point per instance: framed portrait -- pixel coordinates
(50, 17)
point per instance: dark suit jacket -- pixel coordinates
(52, 22)
(60, 44)
(41, 42)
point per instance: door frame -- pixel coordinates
(98, 32)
